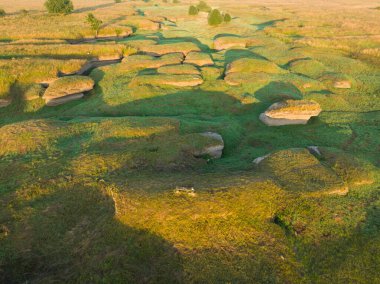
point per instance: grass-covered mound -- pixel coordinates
(24, 73)
(298, 170)
(175, 80)
(251, 71)
(166, 48)
(63, 88)
(106, 145)
(120, 187)
(179, 69)
(199, 59)
(252, 65)
(290, 112)
(227, 42)
(135, 62)
(294, 107)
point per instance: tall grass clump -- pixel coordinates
(59, 6)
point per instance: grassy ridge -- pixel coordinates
(101, 189)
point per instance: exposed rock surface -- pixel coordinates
(67, 89)
(199, 59)
(290, 112)
(214, 149)
(342, 85)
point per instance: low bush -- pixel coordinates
(59, 6)
(2, 13)
(227, 18)
(215, 18)
(193, 10)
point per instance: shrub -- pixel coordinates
(94, 22)
(117, 1)
(203, 6)
(215, 18)
(59, 6)
(176, 1)
(227, 18)
(193, 10)
(2, 13)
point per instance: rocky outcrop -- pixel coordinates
(199, 59)
(66, 89)
(64, 99)
(214, 147)
(290, 112)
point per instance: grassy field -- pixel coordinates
(108, 188)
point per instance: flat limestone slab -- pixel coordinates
(63, 100)
(280, 121)
(161, 49)
(68, 85)
(290, 112)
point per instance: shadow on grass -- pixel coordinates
(234, 54)
(93, 8)
(271, 23)
(74, 235)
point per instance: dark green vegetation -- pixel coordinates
(94, 23)
(215, 18)
(99, 190)
(2, 13)
(227, 18)
(193, 10)
(59, 6)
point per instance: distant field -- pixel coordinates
(111, 168)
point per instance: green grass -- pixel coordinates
(100, 189)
